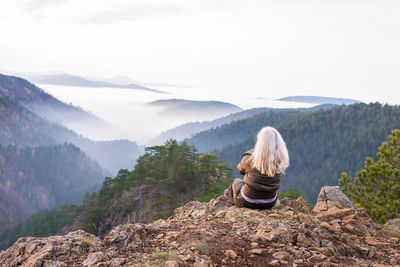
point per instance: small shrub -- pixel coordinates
(163, 256)
(86, 242)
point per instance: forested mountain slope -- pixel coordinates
(321, 144)
(240, 126)
(237, 131)
(164, 178)
(37, 169)
(36, 178)
(190, 129)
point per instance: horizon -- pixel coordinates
(269, 49)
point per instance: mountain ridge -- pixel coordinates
(320, 100)
(74, 80)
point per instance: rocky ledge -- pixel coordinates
(334, 233)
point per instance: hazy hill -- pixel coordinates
(46, 106)
(35, 178)
(21, 124)
(73, 80)
(321, 144)
(320, 100)
(194, 109)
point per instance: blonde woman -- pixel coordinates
(262, 168)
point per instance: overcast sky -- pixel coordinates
(262, 48)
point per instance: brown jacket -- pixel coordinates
(257, 185)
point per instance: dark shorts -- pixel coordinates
(237, 198)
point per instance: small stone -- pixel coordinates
(159, 236)
(54, 264)
(171, 264)
(257, 251)
(186, 257)
(317, 258)
(303, 241)
(173, 234)
(230, 254)
(373, 242)
(254, 244)
(372, 252)
(281, 255)
(93, 258)
(274, 263)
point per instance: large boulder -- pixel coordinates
(50, 251)
(331, 197)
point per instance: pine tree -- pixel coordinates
(377, 187)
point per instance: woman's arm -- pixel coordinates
(243, 166)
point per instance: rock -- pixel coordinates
(202, 262)
(318, 258)
(335, 213)
(274, 263)
(394, 222)
(303, 241)
(257, 251)
(173, 234)
(335, 199)
(171, 264)
(281, 255)
(373, 242)
(298, 205)
(54, 264)
(372, 252)
(218, 233)
(93, 258)
(124, 234)
(230, 254)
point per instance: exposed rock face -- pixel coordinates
(219, 234)
(332, 197)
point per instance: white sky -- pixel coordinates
(262, 48)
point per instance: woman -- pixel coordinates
(262, 168)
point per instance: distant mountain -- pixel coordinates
(189, 129)
(20, 104)
(320, 100)
(193, 108)
(73, 80)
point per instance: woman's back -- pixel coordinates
(262, 168)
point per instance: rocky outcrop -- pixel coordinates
(219, 234)
(331, 197)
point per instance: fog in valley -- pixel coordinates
(132, 118)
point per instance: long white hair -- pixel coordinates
(270, 155)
